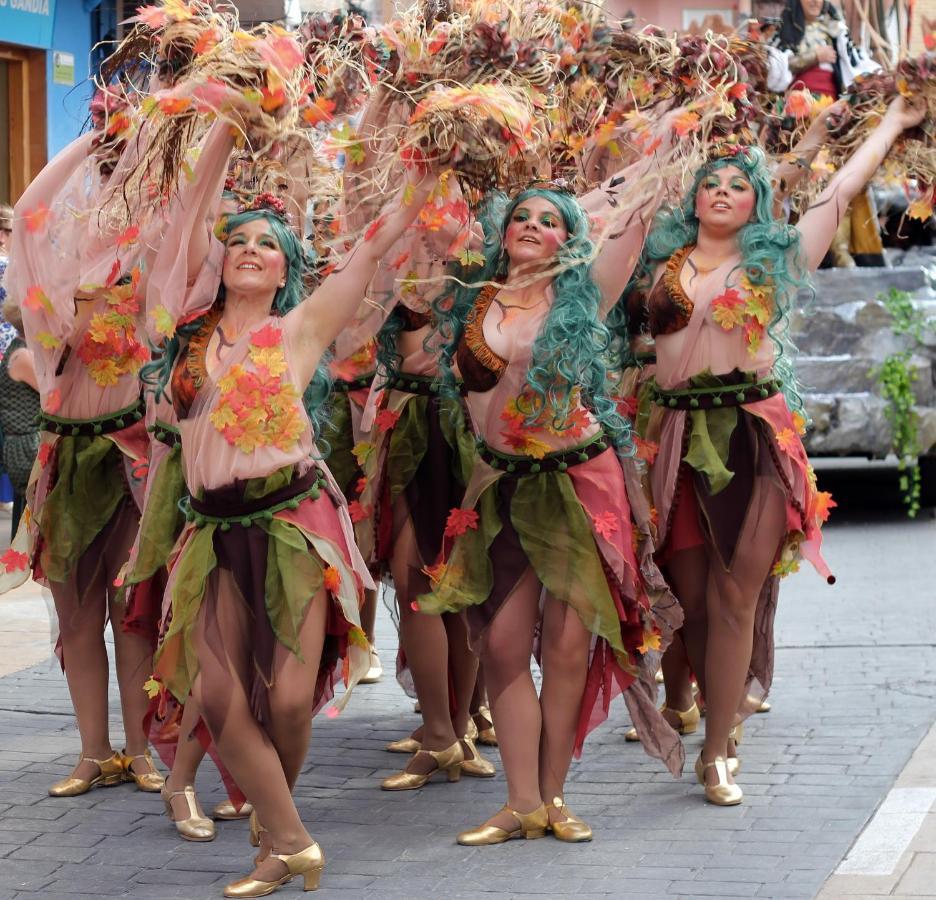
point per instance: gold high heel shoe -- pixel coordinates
(227, 811)
(151, 781)
(573, 830)
(532, 825)
(111, 773)
(408, 745)
(724, 793)
(448, 761)
(195, 827)
(308, 863)
(688, 721)
(476, 765)
(487, 735)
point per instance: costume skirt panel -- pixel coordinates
(273, 543)
(714, 474)
(567, 516)
(415, 474)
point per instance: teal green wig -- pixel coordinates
(770, 251)
(157, 373)
(574, 347)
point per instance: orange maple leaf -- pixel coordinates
(459, 521)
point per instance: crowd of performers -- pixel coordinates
(540, 385)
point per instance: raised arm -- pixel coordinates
(622, 211)
(817, 227)
(795, 165)
(317, 321)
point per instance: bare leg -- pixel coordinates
(82, 634)
(506, 654)
(732, 602)
(293, 694)
(223, 640)
(425, 642)
(677, 679)
(687, 572)
(565, 668)
(369, 613)
(464, 668)
(188, 757)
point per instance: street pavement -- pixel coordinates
(854, 695)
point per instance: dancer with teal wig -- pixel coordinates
(265, 582)
(546, 512)
(736, 499)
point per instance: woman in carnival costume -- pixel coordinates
(543, 542)
(79, 284)
(176, 731)
(736, 498)
(265, 582)
(416, 458)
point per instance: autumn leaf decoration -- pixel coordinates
(750, 311)
(459, 521)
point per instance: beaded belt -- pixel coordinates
(716, 396)
(551, 462)
(224, 512)
(424, 385)
(166, 433)
(340, 386)
(108, 424)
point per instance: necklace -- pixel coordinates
(511, 311)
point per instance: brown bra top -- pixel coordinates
(412, 319)
(667, 308)
(189, 372)
(480, 367)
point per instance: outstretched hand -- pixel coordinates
(905, 113)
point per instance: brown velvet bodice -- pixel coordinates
(480, 367)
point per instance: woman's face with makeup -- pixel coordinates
(725, 199)
(254, 261)
(535, 231)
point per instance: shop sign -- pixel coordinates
(63, 67)
(27, 22)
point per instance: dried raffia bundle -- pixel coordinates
(482, 132)
(341, 59)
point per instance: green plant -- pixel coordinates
(906, 318)
(895, 379)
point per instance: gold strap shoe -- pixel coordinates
(688, 721)
(308, 863)
(195, 827)
(152, 781)
(486, 735)
(724, 793)
(448, 761)
(111, 773)
(408, 745)
(476, 765)
(226, 810)
(573, 830)
(734, 762)
(530, 826)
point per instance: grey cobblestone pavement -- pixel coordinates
(853, 696)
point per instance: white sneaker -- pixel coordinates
(375, 670)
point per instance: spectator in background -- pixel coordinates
(7, 334)
(823, 60)
(19, 412)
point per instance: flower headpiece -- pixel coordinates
(269, 202)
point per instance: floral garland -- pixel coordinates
(521, 436)
(750, 311)
(259, 409)
(110, 348)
